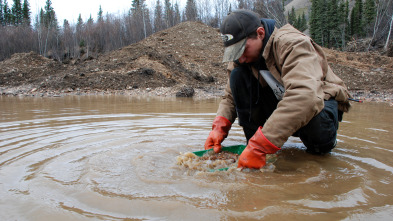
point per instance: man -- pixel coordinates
(280, 85)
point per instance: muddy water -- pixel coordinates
(114, 157)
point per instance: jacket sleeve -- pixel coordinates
(226, 107)
(302, 71)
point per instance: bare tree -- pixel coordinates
(245, 4)
(382, 24)
(390, 31)
(68, 40)
(222, 9)
(16, 39)
(111, 32)
(88, 35)
(272, 9)
(204, 8)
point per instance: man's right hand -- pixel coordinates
(220, 129)
(254, 156)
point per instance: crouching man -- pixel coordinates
(279, 85)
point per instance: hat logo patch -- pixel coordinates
(226, 37)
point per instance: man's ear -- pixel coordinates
(261, 32)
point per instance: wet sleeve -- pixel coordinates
(226, 107)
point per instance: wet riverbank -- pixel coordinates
(198, 93)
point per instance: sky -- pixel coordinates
(70, 9)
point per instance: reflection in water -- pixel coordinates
(114, 157)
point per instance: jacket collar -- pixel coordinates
(267, 42)
(268, 25)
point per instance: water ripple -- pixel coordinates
(94, 164)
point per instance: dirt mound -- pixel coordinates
(28, 59)
(195, 48)
(26, 68)
(187, 55)
(363, 73)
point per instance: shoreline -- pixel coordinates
(199, 94)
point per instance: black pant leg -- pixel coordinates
(254, 103)
(319, 135)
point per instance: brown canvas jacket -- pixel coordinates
(300, 65)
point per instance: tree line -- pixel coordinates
(298, 21)
(331, 24)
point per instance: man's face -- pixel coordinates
(253, 48)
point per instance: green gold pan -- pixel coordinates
(237, 149)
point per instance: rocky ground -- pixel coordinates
(182, 61)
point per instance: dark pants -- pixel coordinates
(255, 104)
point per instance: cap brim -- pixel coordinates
(233, 52)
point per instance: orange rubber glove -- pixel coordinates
(220, 129)
(254, 156)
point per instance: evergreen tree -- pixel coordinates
(369, 16)
(66, 25)
(79, 24)
(48, 32)
(17, 14)
(333, 20)
(100, 17)
(191, 11)
(360, 15)
(136, 4)
(168, 14)
(158, 17)
(357, 19)
(41, 17)
(329, 22)
(141, 20)
(68, 40)
(299, 22)
(90, 21)
(344, 23)
(26, 13)
(7, 13)
(324, 23)
(1, 13)
(87, 35)
(346, 19)
(302, 22)
(292, 17)
(79, 33)
(177, 17)
(315, 21)
(319, 22)
(49, 17)
(369, 11)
